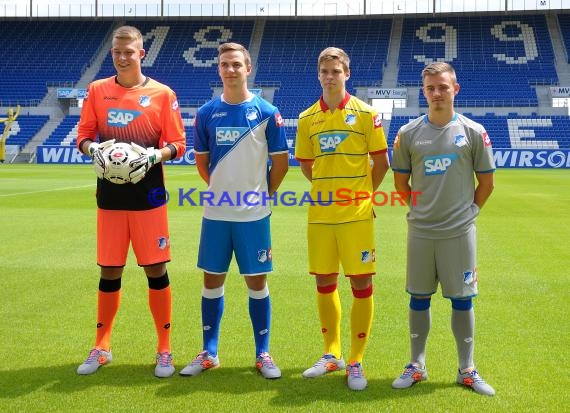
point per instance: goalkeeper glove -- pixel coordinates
(95, 152)
(140, 166)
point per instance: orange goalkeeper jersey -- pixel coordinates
(147, 115)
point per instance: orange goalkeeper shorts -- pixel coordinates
(146, 230)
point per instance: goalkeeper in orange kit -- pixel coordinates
(132, 108)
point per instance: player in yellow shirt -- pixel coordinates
(342, 151)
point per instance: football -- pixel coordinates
(119, 156)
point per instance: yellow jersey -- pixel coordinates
(339, 143)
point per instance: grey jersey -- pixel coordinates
(442, 162)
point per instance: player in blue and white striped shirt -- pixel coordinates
(235, 136)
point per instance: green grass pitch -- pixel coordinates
(49, 279)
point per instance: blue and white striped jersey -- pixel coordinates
(239, 139)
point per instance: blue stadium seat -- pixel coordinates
(529, 132)
(564, 23)
(66, 132)
(188, 128)
(186, 60)
(290, 49)
(497, 58)
(35, 53)
(25, 128)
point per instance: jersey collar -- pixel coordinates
(144, 83)
(341, 105)
(453, 119)
(248, 99)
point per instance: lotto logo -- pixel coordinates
(437, 165)
(329, 141)
(229, 136)
(377, 121)
(121, 118)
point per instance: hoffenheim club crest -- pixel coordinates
(144, 101)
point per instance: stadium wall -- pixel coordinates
(504, 158)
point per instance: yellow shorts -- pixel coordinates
(146, 230)
(351, 244)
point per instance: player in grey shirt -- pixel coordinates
(439, 157)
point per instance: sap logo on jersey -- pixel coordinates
(329, 141)
(437, 165)
(121, 118)
(229, 136)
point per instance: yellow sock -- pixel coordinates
(361, 316)
(328, 302)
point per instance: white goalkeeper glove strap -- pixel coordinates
(156, 157)
(93, 146)
(153, 156)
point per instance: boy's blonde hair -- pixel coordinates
(128, 33)
(334, 53)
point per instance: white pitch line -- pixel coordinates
(47, 190)
(75, 187)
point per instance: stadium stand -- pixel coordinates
(188, 127)
(489, 53)
(188, 52)
(501, 61)
(24, 129)
(66, 132)
(564, 22)
(35, 53)
(513, 131)
(289, 51)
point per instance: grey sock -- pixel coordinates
(463, 327)
(420, 323)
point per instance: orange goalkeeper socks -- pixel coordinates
(107, 307)
(160, 303)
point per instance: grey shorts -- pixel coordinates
(450, 262)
